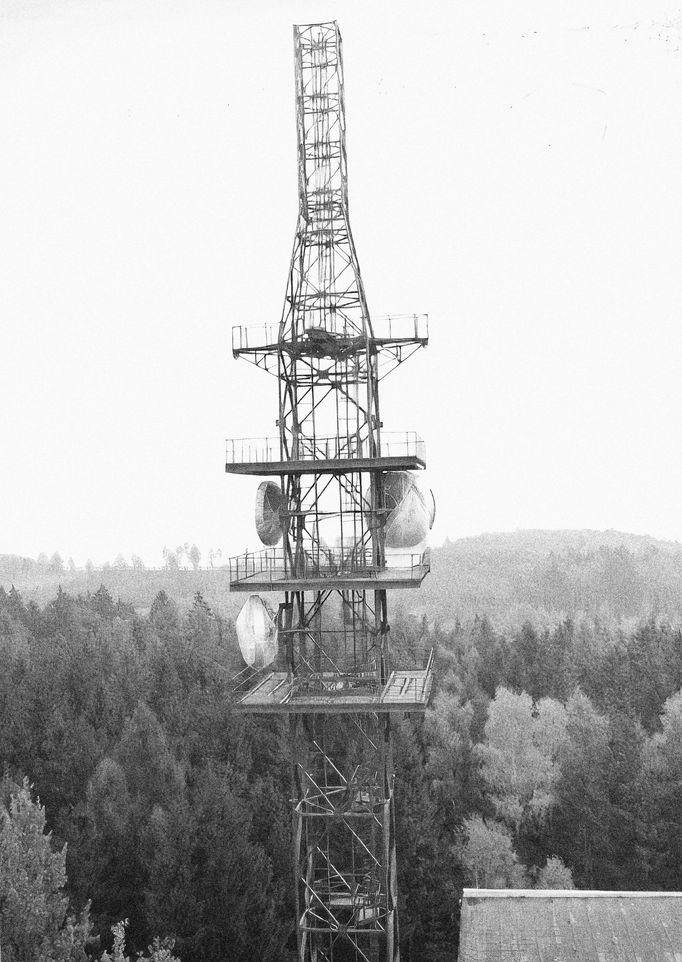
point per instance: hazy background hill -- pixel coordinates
(545, 576)
(538, 576)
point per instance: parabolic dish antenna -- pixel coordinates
(256, 633)
(269, 502)
(411, 510)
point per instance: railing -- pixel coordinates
(390, 327)
(254, 336)
(337, 685)
(263, 450)
(272, 565)
(409, 657)
(401, 327)
(251, 450)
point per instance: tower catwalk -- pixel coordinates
(344, 519)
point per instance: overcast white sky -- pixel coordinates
(514, 171)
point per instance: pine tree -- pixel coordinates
(33, 907)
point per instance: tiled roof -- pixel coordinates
(528, 925)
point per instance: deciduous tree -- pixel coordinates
(554, 875)
(519, 756)
(487, 853)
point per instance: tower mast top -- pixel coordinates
(327, 293)
(320, 116)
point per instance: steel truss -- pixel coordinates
(344, 834)
(333, 628)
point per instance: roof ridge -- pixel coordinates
(563, 893)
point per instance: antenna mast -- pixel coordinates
(344, 500)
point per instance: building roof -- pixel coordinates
(556, 925)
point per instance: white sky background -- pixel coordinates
(514, 171)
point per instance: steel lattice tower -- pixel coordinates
(334, 673)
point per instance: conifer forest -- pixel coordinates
(143, 816)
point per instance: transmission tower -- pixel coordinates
(344, 519)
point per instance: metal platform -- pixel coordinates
(269, 570)
(400, 451)
(392, 341)
(405, 691)
(336, 466)
(390, 331)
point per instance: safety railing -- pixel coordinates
(407, 657)
(272, 565)
(401, 327)
(264, 450)
(254, 336)
(358, 899)
(251, 450)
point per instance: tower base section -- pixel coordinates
(344, 839)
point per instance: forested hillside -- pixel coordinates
(537, 576)
(545, 576)
(549, 756)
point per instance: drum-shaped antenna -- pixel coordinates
(411, 510)
(269, 502)
(256, 633)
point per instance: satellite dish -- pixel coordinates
(269, 502)
(256, 633)
(411, 510)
